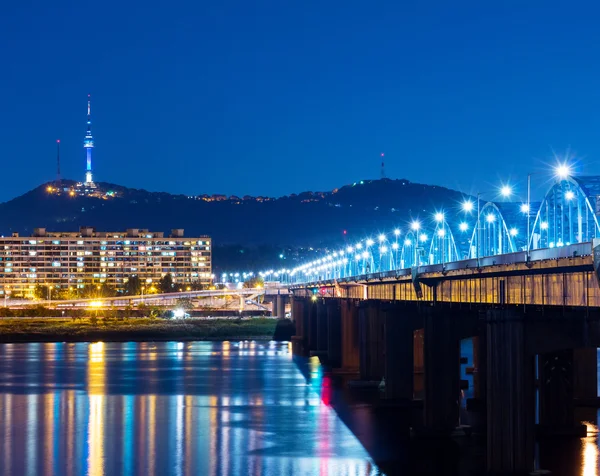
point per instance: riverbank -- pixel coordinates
(141, 329)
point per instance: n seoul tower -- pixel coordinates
(88, 145)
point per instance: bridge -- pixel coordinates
(519, 281)
(238, 299)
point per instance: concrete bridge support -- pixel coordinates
(510, 394)
(585, 376)
(300, 315)
(400, 322)
(322, 323)
(349, 335)
(334, 336)
(371, 341)
(442, 371)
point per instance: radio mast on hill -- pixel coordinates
(58, 160)
(382, 167)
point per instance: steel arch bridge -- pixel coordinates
(568, 214)
(495, 235)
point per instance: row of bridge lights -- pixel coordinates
(340, 257)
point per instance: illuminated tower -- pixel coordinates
(88, 145)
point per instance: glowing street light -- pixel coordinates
(397, 232)
(407, 242)
(383, 249)
(370, 242)
(423, 238)
(490, 218)
(544, 225)
(569, 195)
(514, 232)
(415, 225)
(381, 237)
(463, 226)
(562, 171)
(395, 246)
(467, 206)
(439, 217)
(506, 191)
(524, 208)
(441, 232)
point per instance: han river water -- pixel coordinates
(212, 408)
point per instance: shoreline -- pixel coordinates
(45, 330)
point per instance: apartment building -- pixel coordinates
(73, 260)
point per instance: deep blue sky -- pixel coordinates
(273, 97)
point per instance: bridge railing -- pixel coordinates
(571, 251)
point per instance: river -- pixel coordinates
(215, 408)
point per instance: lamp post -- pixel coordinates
(416, 226)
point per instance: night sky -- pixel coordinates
(273, 97)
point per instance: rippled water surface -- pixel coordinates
(169, 408)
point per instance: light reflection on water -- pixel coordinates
(169, 408)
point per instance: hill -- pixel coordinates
(305, 219)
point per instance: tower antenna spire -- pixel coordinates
(88, 145)
(57, 160)
(382, 167)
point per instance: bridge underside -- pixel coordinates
(406, 327)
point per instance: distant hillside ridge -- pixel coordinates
(304, 219)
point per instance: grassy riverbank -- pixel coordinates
(141, 329)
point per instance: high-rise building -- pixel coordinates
(88, 145)
(76, 260)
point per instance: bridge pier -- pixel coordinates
(585, 376)
(442, 371)
(322, 329)
(371, 341)
(350, 349)
(334, 335)
(400, 323)
(510, 394)
(300, 316)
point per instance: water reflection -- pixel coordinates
(589, 453)
(169, 408)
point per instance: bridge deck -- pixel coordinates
(556, 277)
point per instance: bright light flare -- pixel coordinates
(407, 242)
(423, 238)
(514, 232)
(441, 233)
(370, 242)
(562, 171)
(415, 225)
(463, 226)
(467, 206)
(544, 225)
(382, 237)
(395, 246)
(506, 191)
(524, 208)
(490, 218)
(397, 232)
(439, 217)
(569, 195)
